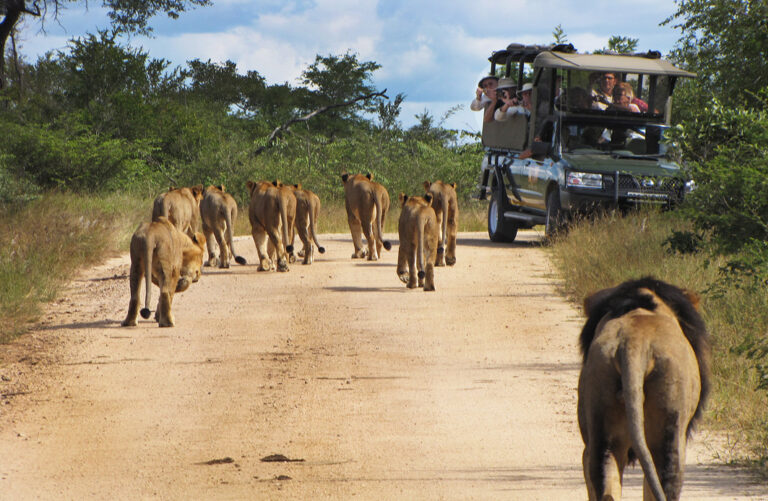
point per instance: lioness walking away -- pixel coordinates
(446, 205)
(164, 256)
(418, 233)
(367, 203)
(181, 206)
(218, 211)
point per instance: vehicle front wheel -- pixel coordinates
(555, 222)
(499, 230)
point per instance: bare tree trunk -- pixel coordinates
(279, 130)
(13, 11)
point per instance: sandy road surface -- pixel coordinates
(377, 392)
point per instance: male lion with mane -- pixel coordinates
(164, 256)
(643, 385)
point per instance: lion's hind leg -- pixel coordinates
(136, 276)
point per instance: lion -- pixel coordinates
(166, 257)
(307, 211)
(288, 200)
(643, 385)
(418, 232)
(268, 213)
(218, 212)
(446, 206)
(367, 203)
(181, 206)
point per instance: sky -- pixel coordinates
(433, 52)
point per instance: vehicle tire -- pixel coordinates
(499, 230)
(555, 222)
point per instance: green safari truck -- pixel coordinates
(577, 150)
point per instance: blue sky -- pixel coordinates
(431, 51)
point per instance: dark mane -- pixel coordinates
(626, 297)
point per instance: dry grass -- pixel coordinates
(608, 251)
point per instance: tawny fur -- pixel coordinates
(418, 231)
(367, 203)
(181, 206)
(218, 212)
(166, 257)
(446, 205)
(268, 214)
(642, 387)
(307, 212)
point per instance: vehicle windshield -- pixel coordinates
(625, 139)
(612, 94)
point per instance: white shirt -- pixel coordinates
(501, 116)
(480, 105)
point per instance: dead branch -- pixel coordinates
(283, 128)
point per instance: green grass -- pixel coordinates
(612, 249)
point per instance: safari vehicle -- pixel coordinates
(577, 157)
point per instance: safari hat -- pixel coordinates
(526, 87)
(506, 83)
(480, 83)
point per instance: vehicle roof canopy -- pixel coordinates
(645, 64)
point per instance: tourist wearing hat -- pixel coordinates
(518, 105)
(485, 93)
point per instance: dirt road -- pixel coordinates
(371, 390)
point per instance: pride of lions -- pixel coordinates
(646, 352)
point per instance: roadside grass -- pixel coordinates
(609, 250)
(44, 244)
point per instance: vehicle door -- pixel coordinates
(527, 174)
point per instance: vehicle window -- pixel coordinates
(622, 138)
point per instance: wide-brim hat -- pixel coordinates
(526, 87)
(506, 83)
(480, 83)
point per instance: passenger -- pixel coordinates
(602, 96)
(577, 98)
(485, 93)
(622, 98)
(520, 105)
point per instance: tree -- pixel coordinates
(128, 16)
(726, 43)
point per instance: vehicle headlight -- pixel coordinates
(584, 180)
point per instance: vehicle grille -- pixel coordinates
(644, 187)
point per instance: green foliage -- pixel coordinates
(725, 42)
(727, 151)
(559, 34)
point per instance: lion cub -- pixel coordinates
(446, 205)
(418, 232)
(164, 256)
(218, 210)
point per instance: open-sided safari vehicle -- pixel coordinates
(574, 153)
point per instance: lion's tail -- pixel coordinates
(312, 224)
(443, 227)
(284, 218)
(230, 216)
(420, 249)
(380, 222)
(149, 250)
(633, 357)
